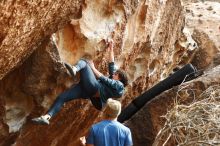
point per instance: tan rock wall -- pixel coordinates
(148, 45)
(206, 53)
(24, 25)
(204, 16)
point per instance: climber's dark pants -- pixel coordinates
(86, 88)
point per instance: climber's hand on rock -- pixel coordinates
(91, 64)
(110, 45)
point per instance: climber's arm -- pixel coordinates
(97, 73)
(110, 51)
(111, 59)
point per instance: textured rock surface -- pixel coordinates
(149, 44)
(24, 24)
(204, 55)
(202, 22)
(204, 15)
(207, 53)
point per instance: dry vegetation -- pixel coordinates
(196, 124)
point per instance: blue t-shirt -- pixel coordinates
(109, 133)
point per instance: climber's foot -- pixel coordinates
(71, 69)
(41, 120)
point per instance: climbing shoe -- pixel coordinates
(41, 120)
(71, 69)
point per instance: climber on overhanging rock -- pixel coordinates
(93, 85)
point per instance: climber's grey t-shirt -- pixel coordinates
(109, 133)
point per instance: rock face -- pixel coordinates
(202, 21)
(205, 57)
(207, 50)
(204, 16)
(24, 25)
(149, 44)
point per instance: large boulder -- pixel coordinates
(149, 44)
(24, 25)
